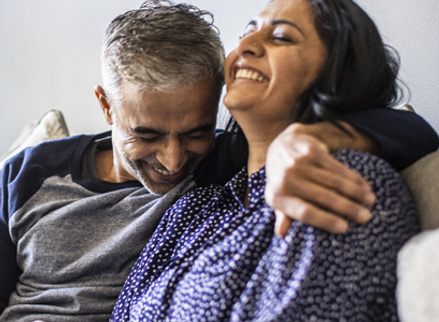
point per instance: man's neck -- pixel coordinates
(105, 165)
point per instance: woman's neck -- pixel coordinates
(259, 139)
(257, 152)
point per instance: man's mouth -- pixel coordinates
(167, 176)
(165, 172)
(246, 73)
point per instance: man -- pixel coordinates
(77, 212)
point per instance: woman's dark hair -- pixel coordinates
(360, 71)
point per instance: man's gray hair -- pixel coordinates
(161, 46)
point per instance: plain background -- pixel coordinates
(49, 54)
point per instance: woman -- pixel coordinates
(215, 256)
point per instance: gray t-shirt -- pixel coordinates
(76, 244)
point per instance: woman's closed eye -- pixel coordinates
(283, 38)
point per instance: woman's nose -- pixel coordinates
(250, 44)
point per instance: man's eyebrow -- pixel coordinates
(292, 24)
(144, 130)
(148, 130)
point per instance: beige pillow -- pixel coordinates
(51, 126)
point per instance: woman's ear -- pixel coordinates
(105, 105)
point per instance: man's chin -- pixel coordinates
(159, 184)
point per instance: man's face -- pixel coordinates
(159, 138)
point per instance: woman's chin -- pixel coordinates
(239, 102)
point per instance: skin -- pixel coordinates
(306, 183)
(158, 137)
(276, 60)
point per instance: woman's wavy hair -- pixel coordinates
(360, 72)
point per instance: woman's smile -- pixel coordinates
(250, 73)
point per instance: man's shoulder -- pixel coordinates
(56, 150)
(57, 157)
(24, 173)
(65, 145)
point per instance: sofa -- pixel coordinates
(418, 261)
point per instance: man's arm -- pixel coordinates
(8, 267)
(305, 183)
(403, 137)
(8, 260)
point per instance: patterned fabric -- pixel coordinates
(212, 259)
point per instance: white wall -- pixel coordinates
(412, 27)
(49, 54)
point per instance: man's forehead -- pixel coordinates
(199, 96)
(176, 112)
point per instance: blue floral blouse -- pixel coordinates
(212, 259)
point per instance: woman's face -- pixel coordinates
(276, 60)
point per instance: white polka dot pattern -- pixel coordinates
(211, 259)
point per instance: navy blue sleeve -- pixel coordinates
(9, 269)
(404, 137)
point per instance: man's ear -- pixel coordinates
(105, 105)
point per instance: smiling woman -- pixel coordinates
(215, 256)
(283, 49)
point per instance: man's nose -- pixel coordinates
(172, 156)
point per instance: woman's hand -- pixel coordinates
(305, 183)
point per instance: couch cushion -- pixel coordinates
(422, 179)
(51, 126)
